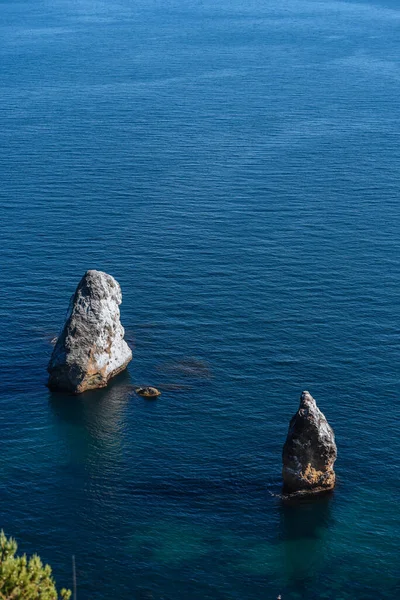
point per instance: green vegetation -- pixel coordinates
(25, 579)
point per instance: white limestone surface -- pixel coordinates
(91, 348)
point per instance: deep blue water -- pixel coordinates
(236, 167)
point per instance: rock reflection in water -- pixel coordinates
(303, 532)
(92, 423)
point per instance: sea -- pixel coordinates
(235, 166)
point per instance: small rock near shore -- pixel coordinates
(91, 348)
(310, 451)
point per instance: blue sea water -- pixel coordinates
(236, 167)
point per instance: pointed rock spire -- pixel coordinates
(91, 348)
(310, 451)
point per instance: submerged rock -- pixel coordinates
(91, 348)
(310, 451)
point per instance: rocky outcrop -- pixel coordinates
(148, 392)
(91, 348)
(310, 451)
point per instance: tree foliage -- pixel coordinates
(25, 579)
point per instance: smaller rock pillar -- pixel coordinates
(309, 452)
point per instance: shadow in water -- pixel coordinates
(93, 422)
(306, 517)
(91, 429)
(101, 403)
(303, 532)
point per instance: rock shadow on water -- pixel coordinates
(302, 537)
(305, 517)
(91, 430)
(291, 560)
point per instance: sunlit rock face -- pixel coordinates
(91, 348)
(310, 451)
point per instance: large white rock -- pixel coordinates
(91, 348)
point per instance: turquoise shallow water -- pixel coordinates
(235, 167)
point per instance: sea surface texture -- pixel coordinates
(235, 166)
